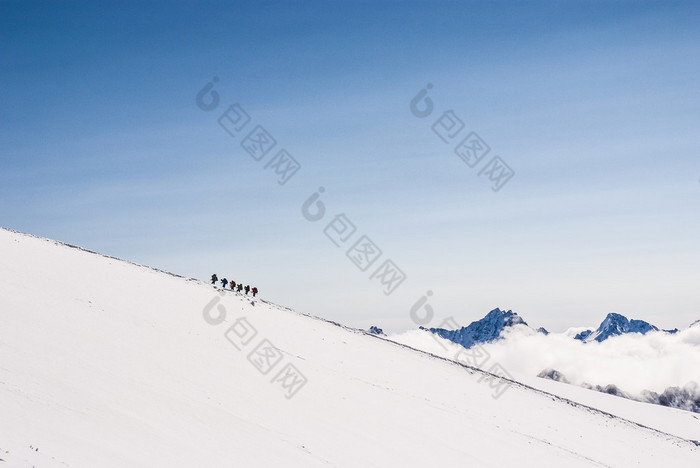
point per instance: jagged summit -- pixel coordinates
(487, 329)
(615, 325)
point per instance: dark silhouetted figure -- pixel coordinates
(214, 278)
(233, 285)
(247, 289)
(255, 291)
(240, 287)
(224, 282)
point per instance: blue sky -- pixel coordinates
(594, 105)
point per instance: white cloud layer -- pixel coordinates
(633, 362)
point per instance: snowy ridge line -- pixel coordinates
(158, 270)
(65, 244)
(139, 265)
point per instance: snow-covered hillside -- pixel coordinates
(105, 363)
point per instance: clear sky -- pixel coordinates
(594, 106)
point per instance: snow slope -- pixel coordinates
(105, 363)
(680, 423)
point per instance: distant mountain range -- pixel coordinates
(492, 325)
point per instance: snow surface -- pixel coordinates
(683, 424)
(105, 363)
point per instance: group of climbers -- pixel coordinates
(234, 287)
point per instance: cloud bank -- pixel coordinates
(633, 362)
